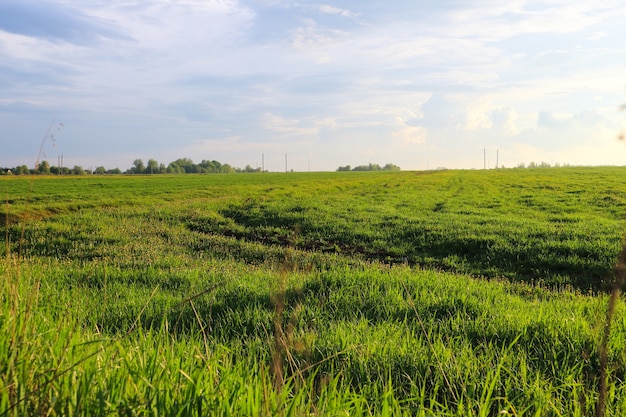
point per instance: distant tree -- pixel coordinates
(211, 166)
(391, 167)
(152, 167)
(78, 170)
(369, 167)
(114, 171)
(138, 167)
(100, 170)
(21, 170)
(175, 168)
(181, 166)
(43, 167)
(248, 168)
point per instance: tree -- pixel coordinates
(138, 167)
(248, 168)
(181, 166)
(174, 168)
(391, 167)
(211, 166)
(78, 170)
(369, 167)
(43, 168)
(153, 167)
(21, 170)
(100, 170)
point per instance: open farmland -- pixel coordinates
(448, 292)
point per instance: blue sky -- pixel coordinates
(421, 84)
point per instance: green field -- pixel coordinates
(388, 293)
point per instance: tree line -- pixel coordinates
(370, 167)
(187, 166)
(44, 168)
(180, 166)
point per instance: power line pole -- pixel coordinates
(262, 162)
(286, 163)
(484, 158)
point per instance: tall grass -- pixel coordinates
(194, 306)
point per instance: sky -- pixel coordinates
(421, 84)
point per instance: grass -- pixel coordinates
(449, 293)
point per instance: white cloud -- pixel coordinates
(325, 8)
(292, 127)
(317, 40)
(447, 79)
(501, 20)
(412, 135)
(477, 115)
(595, 36)
(504, 119)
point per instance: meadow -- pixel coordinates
(451, 293)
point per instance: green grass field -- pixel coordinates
(390, 293)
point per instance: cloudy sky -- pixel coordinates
(422, 84)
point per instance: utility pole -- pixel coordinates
(484, 158)
(262, 162)
(286, 163)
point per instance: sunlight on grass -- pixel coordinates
(453, 293)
